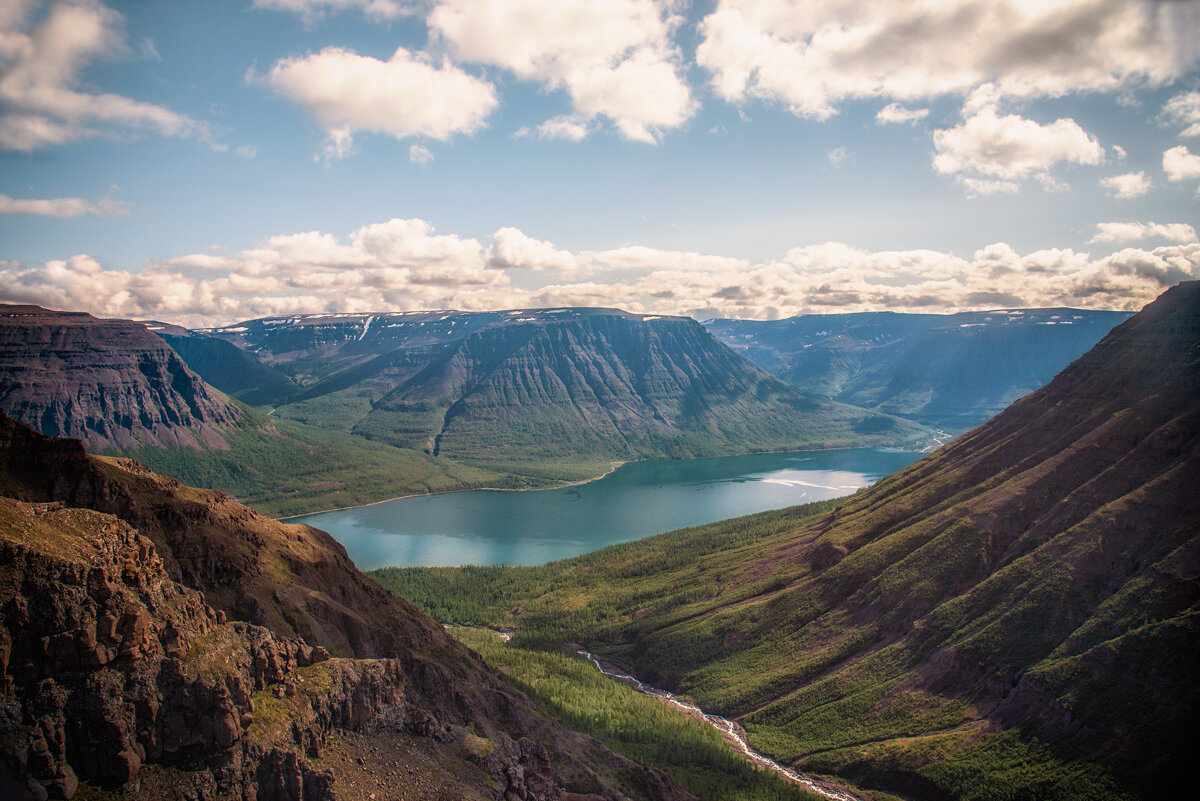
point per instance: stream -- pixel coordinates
(727, 728)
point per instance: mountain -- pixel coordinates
(110, 383)
(948, 371)
(236, 372)
(122, 390)
(164, 642)
(574, 388)
(1015, 616)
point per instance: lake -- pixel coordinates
(489, 527)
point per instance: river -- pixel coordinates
(488, 527)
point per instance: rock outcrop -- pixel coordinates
(110, 383)
(129, 662)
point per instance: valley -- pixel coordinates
(1013, 616)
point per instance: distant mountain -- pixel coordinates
(1015, 616)
(949, 371)
(163, 642)
(559, 386)
(122, 390)
(110, 383)
(236, 372)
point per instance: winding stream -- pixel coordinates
(723, 725)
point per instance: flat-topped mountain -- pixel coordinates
(165, 642)
(582, 386)
(950, 371)
(110, 383)
(1014, 616)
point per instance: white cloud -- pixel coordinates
(246, 151)
(405, 264)
(63, 207)
(614, 59)
(313, 10)
(1130, 184)
(1180, 164)
(41, 66)
(1133, 231)
(811, 57)
(990, 149)
(419, 154)
(402, 97)
(513, 249)
(1184, 109)
(571, 127)
(896, 114)
(837, 157)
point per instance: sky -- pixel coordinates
(204, 163)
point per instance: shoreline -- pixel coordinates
(616, 465)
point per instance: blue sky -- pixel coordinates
(209, 162)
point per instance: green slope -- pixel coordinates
(1015, 616)
(284, 468)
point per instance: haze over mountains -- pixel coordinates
(1014, 616)
(950, 371)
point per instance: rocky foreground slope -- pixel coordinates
(170, 643)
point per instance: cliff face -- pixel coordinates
(129, 660)
(608, 386)
(110, 383)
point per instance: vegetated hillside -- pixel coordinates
(169, 643)
(570, 388)
(1015, 616)
(226, 366)
(121, 389)
(949, 371)
(110, 383)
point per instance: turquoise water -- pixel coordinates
(484, 527)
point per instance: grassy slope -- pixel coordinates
(631, 723)
(676, 608)
(284, 468)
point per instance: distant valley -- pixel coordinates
(949, 371)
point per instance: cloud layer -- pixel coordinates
(62, 207)
(404, 264)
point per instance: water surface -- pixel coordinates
(486, 527)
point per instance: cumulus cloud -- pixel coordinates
(404, 265)
(63, 207)
(615, 60)
(1133, 231)
(896, 114)
(41, 66)
(1180, 164)
(1184, 109)
(404, 96)
(810, 58)
(994, 151)
(1131, 184)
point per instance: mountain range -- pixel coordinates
(1015, 616)
(949, 371)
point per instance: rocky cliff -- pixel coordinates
(110, 383)
(129, 658)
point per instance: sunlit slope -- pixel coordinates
(1014, 616)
